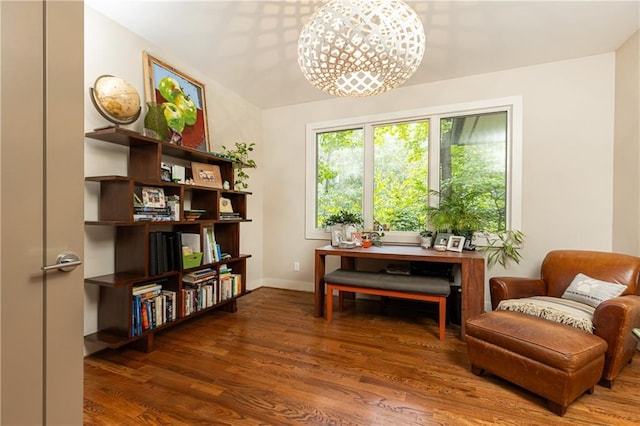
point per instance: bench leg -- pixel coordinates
(340, 300)
(443, 316)
(329, 303)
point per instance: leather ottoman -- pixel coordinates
(555, 361)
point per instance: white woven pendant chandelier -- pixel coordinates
(361, 47)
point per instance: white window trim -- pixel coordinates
(513, 106)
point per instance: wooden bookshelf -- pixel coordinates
(133, 254)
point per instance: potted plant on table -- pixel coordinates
(455, 214)
(426, 238)
(341, 225)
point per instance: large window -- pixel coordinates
(391, 168)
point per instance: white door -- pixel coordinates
(41, 211)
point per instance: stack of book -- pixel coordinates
(151, 307)
(199, 290)
(230, 216)
(154, 214)
(198, 276)
(150, 204)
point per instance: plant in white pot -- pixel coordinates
(426, 238)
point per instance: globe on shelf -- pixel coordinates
(116, 100)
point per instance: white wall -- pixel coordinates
(112, 49)
(626, 221)
(567, 159)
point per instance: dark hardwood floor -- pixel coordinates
(273, 363)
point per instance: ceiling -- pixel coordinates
(250, 46)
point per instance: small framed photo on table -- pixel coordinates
(442, 239)
(455, 243)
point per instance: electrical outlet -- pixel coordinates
(296, 266)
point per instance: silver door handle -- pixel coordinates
(66, 261)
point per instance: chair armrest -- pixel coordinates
(613, 321)
(503, 288)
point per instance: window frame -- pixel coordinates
(511, 105)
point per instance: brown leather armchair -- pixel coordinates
(613, 319)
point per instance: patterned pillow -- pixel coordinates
(592, 292)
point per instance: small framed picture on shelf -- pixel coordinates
(153, 197)
(165, 172)
(356, 237)
(455, 243)
(178, 173)
(206, 175)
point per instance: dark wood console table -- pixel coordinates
(471, 268)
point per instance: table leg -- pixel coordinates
(472, 271)
(318, 308)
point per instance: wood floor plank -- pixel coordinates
(273, 363)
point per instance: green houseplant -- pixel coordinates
(426, 238)
(456, 214)
(504, 248)
(240, 156)
(343, 217)
(341, 224)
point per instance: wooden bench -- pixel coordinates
(414, 287)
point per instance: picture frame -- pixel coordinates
(206, 175)
(189, 100)
(153, 197)
(178, 173)
(442, 239)
(165, 173)
(337, 236)
(356, 237)
(455, 243)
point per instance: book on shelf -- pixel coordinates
(199, 296)
(141, 288)
(230, 216)
(199, 275)
(165, 252)
(153, 214)
(210, 254)
(152, 309)
(230, 283)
